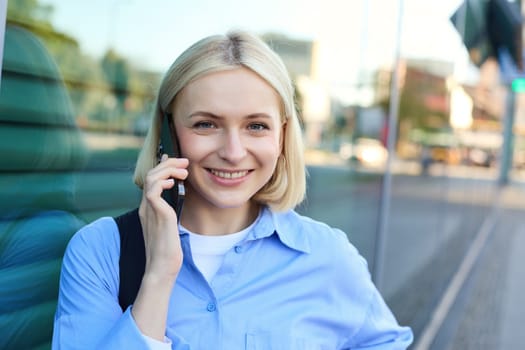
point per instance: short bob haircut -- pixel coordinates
(236, 49)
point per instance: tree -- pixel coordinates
(117, 73)
(24, 10)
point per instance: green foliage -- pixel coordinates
(21, 10)
(108, 92)
(116, 71)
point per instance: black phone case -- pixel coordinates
(174, 196)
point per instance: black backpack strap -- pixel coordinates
(132, 257)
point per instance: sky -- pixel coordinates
(353, 35)
(142, 28)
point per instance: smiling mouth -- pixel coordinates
(229, 174)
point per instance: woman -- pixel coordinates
(239, 269)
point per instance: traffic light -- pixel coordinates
(487, 26)
(470, 21)
(504, 25)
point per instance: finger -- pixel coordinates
(178, 162)
(153, 193)
(170, 167)
(152, 178)
(161, 178)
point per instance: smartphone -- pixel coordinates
(175, 195)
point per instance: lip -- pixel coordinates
(226, 177)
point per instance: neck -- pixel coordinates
(218, 221)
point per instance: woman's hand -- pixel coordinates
(163, 249)
(158, 218)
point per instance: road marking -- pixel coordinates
(445, 304)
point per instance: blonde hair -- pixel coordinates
(287, 186)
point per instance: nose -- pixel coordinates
(232, 149)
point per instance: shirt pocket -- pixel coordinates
(281, 341)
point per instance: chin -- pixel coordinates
(232, 203)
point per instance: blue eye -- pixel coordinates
(258, 127)
(203, 125)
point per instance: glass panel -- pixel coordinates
(79, 80)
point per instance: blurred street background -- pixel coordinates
(429, 238)
(413, 114)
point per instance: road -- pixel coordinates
(432, 222)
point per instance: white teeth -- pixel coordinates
(229, 175)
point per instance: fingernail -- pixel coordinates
(164, 157)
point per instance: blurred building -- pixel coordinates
(295, 53)
(313, 96)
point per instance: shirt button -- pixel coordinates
(211, 307)
(238, 249)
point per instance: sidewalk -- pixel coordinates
(512, 335)
(489, 310)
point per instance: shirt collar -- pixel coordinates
(286, 225)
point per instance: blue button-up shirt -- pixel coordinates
(293, 283)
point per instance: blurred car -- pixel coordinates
(481, 157)
(367, 151)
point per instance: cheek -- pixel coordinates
(268, 147)
(279, 142)
(269, 152)
(192, 147)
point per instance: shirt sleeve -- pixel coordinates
(154, 344)
(88, 314)
(380, 330)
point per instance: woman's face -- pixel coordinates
(229, 127)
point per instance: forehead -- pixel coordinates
(233, 91)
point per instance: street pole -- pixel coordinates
(508, 137)
(384, 205)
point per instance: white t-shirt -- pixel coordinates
(208, 251)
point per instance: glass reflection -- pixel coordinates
(42, 148)
(70, 141)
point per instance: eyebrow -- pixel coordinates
(215, 116)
